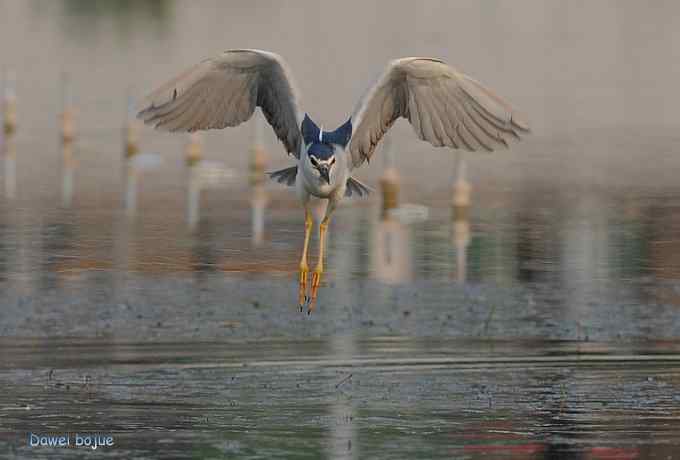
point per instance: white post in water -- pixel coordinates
(194, 149)
(68, 129)
(391, 251)
(130, 150)
(258, 162)
(461, 224)
(9, 115)
(193, 154)
(258, 156)
(67, 141)
(9, 100)
(461, 189)
(389, 182)
(258, 206)
(131, 130)
(130, 189)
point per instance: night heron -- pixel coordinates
(444, 106)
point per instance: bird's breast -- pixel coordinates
(320, 188)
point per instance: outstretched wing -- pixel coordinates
(224, 91)
(444, 106)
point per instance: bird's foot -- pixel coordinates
(303, 299)
(316, 280)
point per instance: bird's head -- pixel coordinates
(322, 158)
(321, 145)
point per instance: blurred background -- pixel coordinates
(113, 235)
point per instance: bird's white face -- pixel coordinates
(323, 169)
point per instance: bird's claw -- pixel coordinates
(303, 299)
(316, 280)
(304, 303)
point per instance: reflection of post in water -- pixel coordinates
(130, 150)
(131, 130)
(258, 205)
(391, 251)
(10, 166)
(9, 113)
(69, 166)
(67, 141)
(461, 240)
(460, 234)
(68, 129)
(130, 193)
(257, 165)
(389, 182)
(135, 163)
(201, 175)
(391, 248)
(461, 189)
(193, 154)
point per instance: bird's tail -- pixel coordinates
(284, 176)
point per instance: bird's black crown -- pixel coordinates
(312, 134)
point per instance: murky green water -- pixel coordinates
(346, 398)
(156, 302)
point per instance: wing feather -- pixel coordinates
(450, 121)
(422, 101)
(489, 130)
(285, 176)
(444, 106)
(356, 187)
(224, 91)
(479, 136)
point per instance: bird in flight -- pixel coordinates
(445, 107)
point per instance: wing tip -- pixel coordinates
(520, 123)
(357, 187)
(144, 117)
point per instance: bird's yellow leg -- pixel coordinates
(304, 268)
(316, 275)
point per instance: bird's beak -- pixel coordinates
(324, 174)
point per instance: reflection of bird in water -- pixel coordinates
(445, 107)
